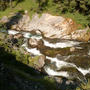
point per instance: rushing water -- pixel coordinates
(79, 59)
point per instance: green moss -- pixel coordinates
(33, 61)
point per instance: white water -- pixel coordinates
(60, 64)
(61, 44)
(12, 32)
(46, 43)
(33, 51)
(84, 72)
(26, 34)
(51, 72)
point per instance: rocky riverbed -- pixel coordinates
(65, 58)
(63, 52)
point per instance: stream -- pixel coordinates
(65, 58)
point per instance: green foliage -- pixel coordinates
(83, 6)
(78, 18)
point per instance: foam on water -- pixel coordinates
(12, 32)
(24, 45)
(26, 34)
(60, 64)
(29, 35)
(84, 72)
(33, 51)
(51, 72)
(61, 44)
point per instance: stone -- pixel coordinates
(72, 49)
(32, 42)
(35, 32)
(58, 80)
(18, 36)
(68, 82)
(41, 61)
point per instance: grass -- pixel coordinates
(29, 5)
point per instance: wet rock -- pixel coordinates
(41, 61)
(18, 36)
(39, 64)
(58, 80)
(35, 32)
(68, 82)
(35, 42)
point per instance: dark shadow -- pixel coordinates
(64, 86)
(11, 80)
(10, 59)
(11, 62)
(18, 1)
(42, 5)
(14, 19)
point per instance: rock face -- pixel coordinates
(52, 27)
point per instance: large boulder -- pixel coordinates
(52, 27)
